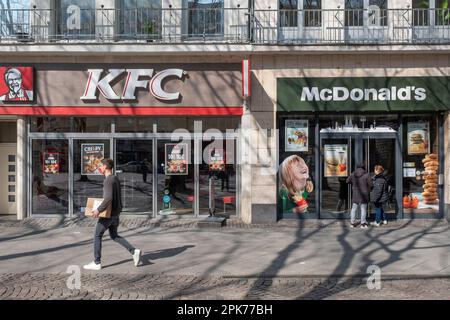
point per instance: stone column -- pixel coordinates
(21, 167)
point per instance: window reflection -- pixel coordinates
(205, 18)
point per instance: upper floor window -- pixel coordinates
(140, 18)
(308, 11)
(425, 11)
(13, 18)
(205, 17)
(76, 18)
(376, 13)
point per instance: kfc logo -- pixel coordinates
(16, 84)
(103, 83)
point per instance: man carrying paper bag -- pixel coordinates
(112, 201)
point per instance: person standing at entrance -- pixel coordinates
(111, 197)
(361, 186)
(379, 195)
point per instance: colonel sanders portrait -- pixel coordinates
(13, 79)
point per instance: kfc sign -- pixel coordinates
(103, 82)
(16, 84)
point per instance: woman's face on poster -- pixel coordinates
(300, 174)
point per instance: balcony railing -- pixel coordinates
(230, 25)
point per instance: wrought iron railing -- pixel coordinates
(233, 25)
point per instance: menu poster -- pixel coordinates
(217, 160)
(51, 162)
(176, 159)
(92, 155)
(296, 135)
(418, 138)
(335, 160)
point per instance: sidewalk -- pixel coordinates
(283, 252)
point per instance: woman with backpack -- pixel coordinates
(379, 195)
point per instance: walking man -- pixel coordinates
(111, 196)
(361, 186)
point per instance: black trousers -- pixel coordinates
(110, 224)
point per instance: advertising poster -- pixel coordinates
(217, 160)
(51, 162)
(16, 84)
(92, 155)
(335, 160)
(176, 159)
(418, 138)
(296, 135)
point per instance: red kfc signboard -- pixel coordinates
(16, 84)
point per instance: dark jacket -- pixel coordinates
(379, 193)
(361, 185)
(111, 195)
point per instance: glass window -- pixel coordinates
(420, 12)
(354, 13)
(442, 12)
(50, 188)
(312, 12)
(297, 159)
(76, 18)
(69, 124)
(205, 18)
(8, 132)
(421, 165)
(132, 125)
(15, 21)
(87, 181)
(141, 19)
(218, 177)
(288, 13)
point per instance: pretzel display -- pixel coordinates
(430, 176)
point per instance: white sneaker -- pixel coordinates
(364, 226)
(384, 221)
(375, 224)
(136, 256)
(93, 266)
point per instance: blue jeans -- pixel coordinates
(379, 212)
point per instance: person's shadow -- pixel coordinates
(155, 255)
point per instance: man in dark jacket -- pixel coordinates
(379, 195)
(111, 197)
(361, 186)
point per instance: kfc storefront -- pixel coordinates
(170, 128)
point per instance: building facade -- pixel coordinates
(244, 108)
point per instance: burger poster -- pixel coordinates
(296, 135)
(217, 160)
(51, 163)
(418, 138)
(92, 155)
(335, 160)
(176, 159)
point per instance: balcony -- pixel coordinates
(227, 25)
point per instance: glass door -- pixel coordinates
(175, 178)
(87, 179)
(134, 167)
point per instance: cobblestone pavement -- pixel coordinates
(102, 286)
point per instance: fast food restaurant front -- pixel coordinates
(170, 128)
(338, 123)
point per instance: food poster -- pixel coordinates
(296, 135)
(217, 160)
(429, 175)
(51, 162)
(418, 138)
(92, 155)
(176, 158)
(335, 160)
